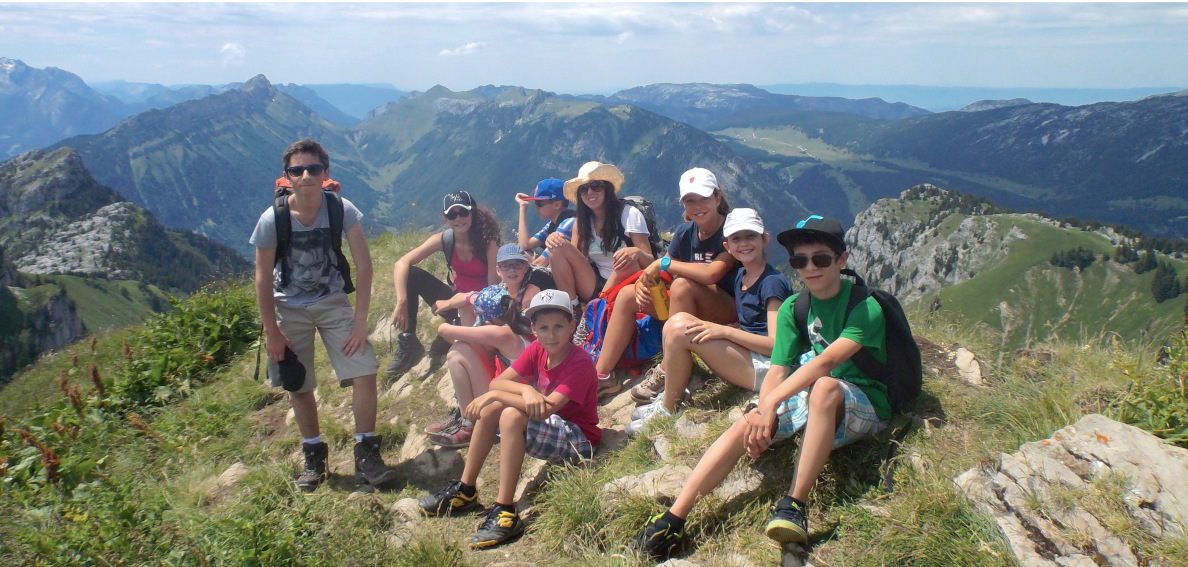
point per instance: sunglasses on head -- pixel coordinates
(595, 186)
(314, 169)
(822, 260)
(457, 212)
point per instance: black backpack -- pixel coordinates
(645, 207)
(903, 372)
(284, 231)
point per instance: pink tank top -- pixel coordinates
(469, 276)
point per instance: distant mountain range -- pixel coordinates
(940, 99)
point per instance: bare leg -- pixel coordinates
(619, 330)
(363, 395)
(305, 413)
(827, 408)
(572, 271)
(481, 442)
(467, 372)
(705, 301)
(513, 424)
(712, 469)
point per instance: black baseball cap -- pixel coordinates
(457, 199)
(814, 228)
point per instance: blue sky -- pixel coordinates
(603, 47)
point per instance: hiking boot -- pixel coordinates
(501, 525)
(369, 466)
(315, 466)
(652, 386)
(446, 423)
(407, 352)
(789, 522)
(610, 385)
(455, 437)
(650, 412)
(449, 501)
(658, 540)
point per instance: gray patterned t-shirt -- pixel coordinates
(313, 268)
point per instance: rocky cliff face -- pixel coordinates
(86, 246)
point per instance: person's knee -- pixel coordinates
(681, 288)
(512, 418)
(827, 394)
(626, 297)
(674, 329)
(492, 409)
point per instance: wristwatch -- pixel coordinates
(664, 262)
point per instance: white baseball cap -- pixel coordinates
(549, 299)
(741, 219)
(699, 181)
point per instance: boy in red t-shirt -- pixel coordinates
(545, 405)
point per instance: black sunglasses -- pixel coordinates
(595, 186)
(452, 214)
(822, 260)
(314, 170)
(540, 204)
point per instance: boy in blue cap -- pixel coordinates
(552, 205)
(812, 384)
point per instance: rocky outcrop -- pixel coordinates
(1056, 500)
(86, 246)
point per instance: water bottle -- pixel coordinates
(659, 299)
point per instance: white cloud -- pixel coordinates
(623, 37)
(233, 54)
(463, 49)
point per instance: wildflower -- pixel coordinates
(94, 343)
(95, 379)
(74, 360)
(49, 459)
(140, 425)
(126, 350)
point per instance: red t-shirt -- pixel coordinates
(575, 378)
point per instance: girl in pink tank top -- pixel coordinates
(476, 237)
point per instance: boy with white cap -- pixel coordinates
(545, 405)
(739, 355)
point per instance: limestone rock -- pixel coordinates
(663, 449)
(227, 481)
(968, 367)
(679, 563)
(739, 483)
(612, 440)
(441, 464)
(693, 423)
(1027, 493)
(793, 555)
(532, 475)
(445, 389)
(662, 484)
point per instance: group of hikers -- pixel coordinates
(511, 315)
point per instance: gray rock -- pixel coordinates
(532, 475)
(227, 481)
(692, 423)
(662, 484)
(968, 368)
(663, 449)
(740, 483)
(1026, 492)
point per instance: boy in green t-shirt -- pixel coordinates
(821, 391)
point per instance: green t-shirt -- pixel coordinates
(826, 318)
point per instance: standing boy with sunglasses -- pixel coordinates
(552, 205)
(312, 298)
(812, 384)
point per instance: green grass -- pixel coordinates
(151, 505)
(106, 304)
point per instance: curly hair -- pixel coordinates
(723, 204)
(484, 228)
(612, 223)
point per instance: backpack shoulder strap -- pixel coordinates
(284, 234)
(335, 211)
(800, 311)
(447, 248)
(863, 359)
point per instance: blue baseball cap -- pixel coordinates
(551, 189)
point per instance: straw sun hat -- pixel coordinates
(593, 171)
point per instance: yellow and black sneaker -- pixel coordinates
(660, 537)
(450, 501)
(789, 522)
(502, 525)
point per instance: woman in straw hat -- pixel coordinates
(610, 240)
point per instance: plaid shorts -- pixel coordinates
(557, 441)
(860, 419)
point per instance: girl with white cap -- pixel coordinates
(739, 355)
(703, 276)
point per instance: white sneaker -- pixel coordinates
(646, 413)
(658, 400)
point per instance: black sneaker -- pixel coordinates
(501, 526)
(369, 465)
(450, 501)
(789, 522)
(315, 466)
(658, 541)
(405, 354)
